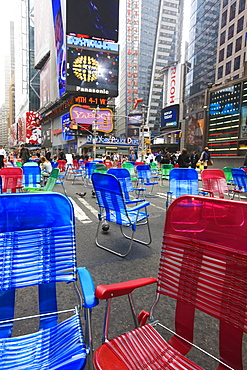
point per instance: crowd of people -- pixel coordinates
(181, 159)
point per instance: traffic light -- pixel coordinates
(147, 141)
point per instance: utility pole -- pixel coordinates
(95, 112)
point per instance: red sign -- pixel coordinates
(33, 128)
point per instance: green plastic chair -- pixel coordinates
(100, 168)
(228, 173)
(130, 167)
(18, 164)
(51, 182)
(165, 172)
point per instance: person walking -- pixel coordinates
(159, 158)
(205, 158)
(24, 154)
(48, 154)
(183, 159)
(2, 156)
(194, 159)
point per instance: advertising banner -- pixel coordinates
(85, 116)
(170, 117)
(45, 78)
(46, 141)
(41, 36)
(33, 128)
(173, 84)
(60, 45)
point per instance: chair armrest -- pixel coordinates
(87, 287)
(204, 192)
(120, 289)
(137, 207)
(134, 201)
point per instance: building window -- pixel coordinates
(229, 50)
(225, 2)
(237, 63)
(238, 44)
(232, 11)
(221, 55)
(228, 68)
(240, 24)
(241, 6)
(230, 31)
(220, 72)
(222, 37)
(223, 19)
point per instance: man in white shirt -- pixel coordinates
(2, 156)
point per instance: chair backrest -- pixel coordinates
(166, 169)
(203, 266)
(40, 247)
(228, 173)
(31, 175)
(100, 167)
(143, 172)
(130, 167)
(90, 168)
(30, 163)
(239, 178)
(62, 164)
(123, 175)
(11, 178)
(214, 180)
(183, 181)
(18, 164)
(109, 195)
(51, 182)
(76, 165)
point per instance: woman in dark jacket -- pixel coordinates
(183, 159)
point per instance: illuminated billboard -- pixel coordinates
(93, 18)
(135, 119)
(170, 117)
(82, 117)
(92, 71)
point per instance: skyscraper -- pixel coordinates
(150, 39)
(202, 52)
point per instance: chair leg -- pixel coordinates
(137, 240)
(110, 250)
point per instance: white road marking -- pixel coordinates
(79, 214)
(89, 207)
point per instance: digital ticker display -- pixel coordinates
(92, 71)
(93, 18)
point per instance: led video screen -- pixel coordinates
(93, 18)
(92, 71)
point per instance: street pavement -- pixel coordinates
(142, 261)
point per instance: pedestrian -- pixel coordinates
(60, 155)
(205, 158)
(184, 159)
(48, 154)
(245, 160)
(194, 159)
(132, 156)
(24, 154)
(159, 158)
(166, 157)
(2, 156)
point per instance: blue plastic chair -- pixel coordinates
(145, 177)
(31, 175)
(38, 249)
(123, 175)
(182, 181)
(62, 178)
(113, 209)
(89, 170)
(240, 181)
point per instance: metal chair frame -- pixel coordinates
(146, 178)
(113, 208)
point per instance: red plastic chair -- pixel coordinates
(203, 266)
(62, 164)
(214, 182)
(11, 179)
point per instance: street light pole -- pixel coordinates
(95, 112)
